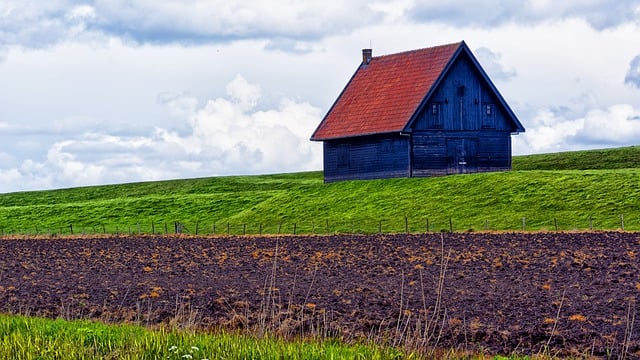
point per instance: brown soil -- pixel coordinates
(566, 293)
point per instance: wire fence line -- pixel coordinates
(329, 226)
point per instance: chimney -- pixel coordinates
(366, 56)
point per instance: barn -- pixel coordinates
(425, 112)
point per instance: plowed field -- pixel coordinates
(569, 293)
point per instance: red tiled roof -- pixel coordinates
(383, 95)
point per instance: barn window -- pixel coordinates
(488, 118)
(488, 109)
(435, 118)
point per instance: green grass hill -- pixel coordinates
(572, 190)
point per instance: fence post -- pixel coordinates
(380, 227)
(327, 226)
(450, 225)
(244, 229)
(295, 225)
(197, 225)
(524, 223)
(622, 221)
(153, 228)
(555, 222)
(166, 230)
(279, 227)
(104, 231)
(228, 229)
(260, 228)
(486, 224)
(427, 226)
(71, 228)
(590, 223)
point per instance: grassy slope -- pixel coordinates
(605, 159)
(500, 200)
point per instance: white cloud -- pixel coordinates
(232, 134)
(228, 135)
(617, 125)
(244, 94)
(600, 14)
(220, 20)
(33, 23)
(9, 178)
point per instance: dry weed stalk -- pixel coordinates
(555, 324)
(274, 317)
(439, 314)
(184, 317)
(398, 337)
(267, 308)
(628, 331)
(427, 331)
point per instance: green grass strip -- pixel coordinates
(28, 338)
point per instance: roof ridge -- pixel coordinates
(418, 50)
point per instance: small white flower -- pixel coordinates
(173, 348)
(187, 356)
(195, 348)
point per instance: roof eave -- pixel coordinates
(397, 131)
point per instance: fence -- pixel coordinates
(332, 226)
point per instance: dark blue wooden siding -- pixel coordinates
(442, 153)
(462, 102)
(462, 127)
(366, 158)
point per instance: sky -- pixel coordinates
(116, 91)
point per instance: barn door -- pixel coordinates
(462, 155)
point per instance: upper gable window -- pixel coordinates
(488, 116)
(435, 115)
(488, 109)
